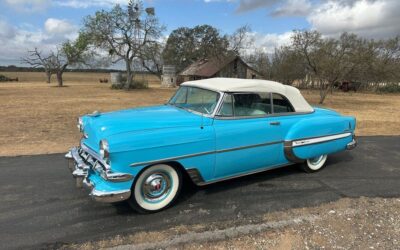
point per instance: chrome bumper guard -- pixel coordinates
(353, 144)
(81, 160)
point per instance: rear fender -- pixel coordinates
(312, 137)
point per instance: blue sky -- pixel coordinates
(25, 24)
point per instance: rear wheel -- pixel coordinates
(314, 164)
(156, 188)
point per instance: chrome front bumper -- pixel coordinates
(82, 160)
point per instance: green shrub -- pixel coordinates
(390, 88)
(3, 78)
(136, 84)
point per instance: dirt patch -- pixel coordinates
(38, 119)
(364, 223)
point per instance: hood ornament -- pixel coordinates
(95, 114)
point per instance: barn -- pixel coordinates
(231, 67)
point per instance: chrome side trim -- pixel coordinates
(203, 153)
(315, 140)
(199, 181)
(170, 159)
(247, 147)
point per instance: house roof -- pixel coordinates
(208, 67)
(250, 85)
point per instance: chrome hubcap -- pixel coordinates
(316, 160)
(156, 187)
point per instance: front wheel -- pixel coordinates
(155, 189)
(314, 164)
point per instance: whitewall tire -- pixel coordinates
(314, 164)
(156, 188)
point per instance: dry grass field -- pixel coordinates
(38, 118)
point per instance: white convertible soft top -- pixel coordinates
(250, 85)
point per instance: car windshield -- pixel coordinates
(195, 99)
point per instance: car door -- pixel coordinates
(247, 138)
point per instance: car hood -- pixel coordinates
(106, 125)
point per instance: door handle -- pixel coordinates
(275, 123)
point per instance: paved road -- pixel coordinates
(41, 208)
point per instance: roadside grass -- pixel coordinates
(38, 119)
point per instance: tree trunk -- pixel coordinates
(323, 91)
(48, 76)
(129, 75)
(59, 78)
(60, 73)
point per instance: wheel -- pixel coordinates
(314, 164)
(156, 188)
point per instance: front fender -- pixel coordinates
(133, 152)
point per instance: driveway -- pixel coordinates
(40, 206)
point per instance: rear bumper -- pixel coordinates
(353, 144)
(85, 164)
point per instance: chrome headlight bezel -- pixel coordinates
(105, 151)
(80, 124)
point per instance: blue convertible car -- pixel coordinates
(211, 130)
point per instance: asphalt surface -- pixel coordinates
(41, 208)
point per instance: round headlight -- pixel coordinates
(104, 151)
(80, 124)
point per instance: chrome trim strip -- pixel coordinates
(203, 153)
(170, 159)
(315, 140)
(247, 147)
(199, 181)
(261, 116)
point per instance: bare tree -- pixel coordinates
(260, 61)
(240, 40)
(56, 62)
(37, 59)
(125, 33)
(287, 65)
(329, 60)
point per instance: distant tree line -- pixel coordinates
(133, 35)
(319, 62)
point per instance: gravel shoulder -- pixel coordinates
(362, 223)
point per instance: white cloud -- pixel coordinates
(268, 42)
(371, 19)
(55, 26)
(78, 4)
(16, 41)
(29, 5)
(6, 31)
(293, 8)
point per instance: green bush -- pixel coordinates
(136, 84)
(3, 78)
(390, 88)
